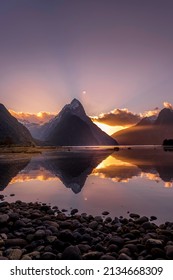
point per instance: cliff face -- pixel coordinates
(11, 131)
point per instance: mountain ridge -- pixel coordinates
(72, 127)
(12, 131)
(149, 131)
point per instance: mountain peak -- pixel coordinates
(75, 104)
(165, 117)
(72, 127)
(2, 107)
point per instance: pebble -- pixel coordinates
(105, 213)
(142, 220)
(4, 219)
(48, 256)
(123, 256)
(134, 216)
(71, 253)
(15, 254)
(74, 211)
(33, 231)
(169, 252)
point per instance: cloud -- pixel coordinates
(118, 117)
(39, 118)
(168, 105)
(150, 113)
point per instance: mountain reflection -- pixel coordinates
(9, 170)
(156, 164)
(117, 170)
(73, 168)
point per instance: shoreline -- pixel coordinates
(38, 231)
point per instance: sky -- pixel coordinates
(110, 54)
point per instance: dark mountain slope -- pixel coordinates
(11, 131)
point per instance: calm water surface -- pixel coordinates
(134, 180)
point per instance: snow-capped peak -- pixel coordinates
(75, 104)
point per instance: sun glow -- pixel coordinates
(109, 129)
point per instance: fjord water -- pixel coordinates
(137, 180)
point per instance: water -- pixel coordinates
(132, 179)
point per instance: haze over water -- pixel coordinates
(135, 180)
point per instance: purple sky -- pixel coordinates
(119, 51)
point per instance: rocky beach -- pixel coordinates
(34, 231)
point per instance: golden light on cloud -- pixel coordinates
(39, 117)
(39, 175)
(168, 105)
(168, 184)
(151, 176)
(111, 167)
(150, 113)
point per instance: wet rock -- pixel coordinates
(40, 234)
(3, 258)
(74, 211)
(19, 224)
(148, 225)
(108, 220)
(26, 258)
(4, 219)
(48, 256)
(169, 252)
(2, 243)
(123, 256)
(125, 251)
(77, 236)
(105, 213)
(107, 257)
(117, 241)
(84, 248)
(15, 242)
(112, 248)
(15, 254)
(93, 225)
(66, 235)
(142, 220)
(58, 245)
(3, 204)
(94, 255)
(52, 223)
(150, 243)
(51, 238)
(66, 224)
(134, 216)
(153, 218)
(157, 253)
(71, 253)
(98, 219)
(3, 236)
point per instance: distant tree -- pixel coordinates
(168, 142)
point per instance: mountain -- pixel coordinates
(72, 127)
(149, 131)
(9, 170)
(73, 168)
(156, 162)
(11, 131)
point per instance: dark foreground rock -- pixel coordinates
(33, 231)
